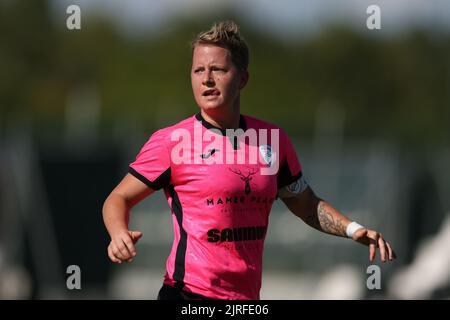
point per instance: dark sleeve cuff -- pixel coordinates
(162, 181)
(285, 176)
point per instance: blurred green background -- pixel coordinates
(368, 110)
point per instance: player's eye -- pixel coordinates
(218, 69)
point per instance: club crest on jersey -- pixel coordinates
(266, 153)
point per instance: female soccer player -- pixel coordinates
(221, 172)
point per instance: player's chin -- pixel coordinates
(211, 105)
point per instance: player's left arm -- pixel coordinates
(322, 216)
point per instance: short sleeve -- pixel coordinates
(152, 164)
(290, 169)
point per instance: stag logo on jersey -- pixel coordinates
(266, 153)
(246, 177)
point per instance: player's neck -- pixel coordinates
(223, 120)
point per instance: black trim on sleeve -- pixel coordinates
(180, 258)
(285, 176)
(162, 181)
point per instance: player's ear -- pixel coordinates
(244, 78)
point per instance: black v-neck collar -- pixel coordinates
(207, 125)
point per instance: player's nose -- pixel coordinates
(208, 80)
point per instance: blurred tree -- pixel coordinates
(392, 88)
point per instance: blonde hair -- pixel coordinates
(226, 34)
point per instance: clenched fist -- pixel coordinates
(122, 246)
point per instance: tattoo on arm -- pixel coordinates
(329, 223)
(323, 220)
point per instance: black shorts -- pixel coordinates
(170, 293)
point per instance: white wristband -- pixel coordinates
(351, 228)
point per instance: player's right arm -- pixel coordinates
(116, 209)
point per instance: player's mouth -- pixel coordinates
(211, 92)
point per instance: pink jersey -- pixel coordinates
(220, 209)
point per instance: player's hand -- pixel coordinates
(122, 246)
(375, 240)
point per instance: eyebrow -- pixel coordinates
(213, 65)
